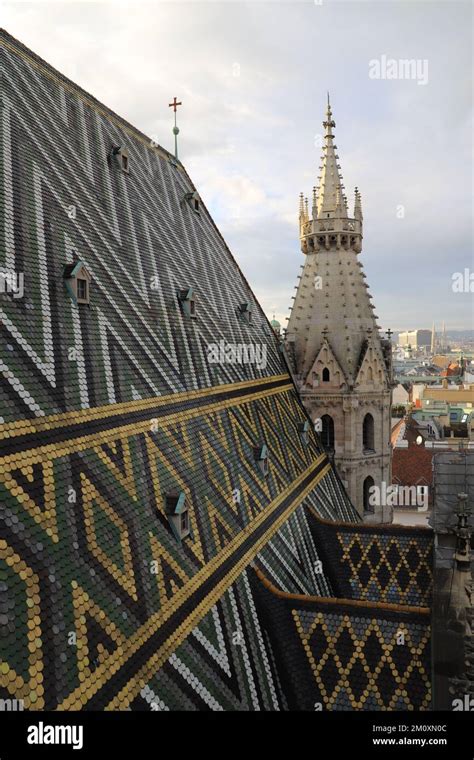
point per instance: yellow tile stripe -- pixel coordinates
(121, 655)
(53, 421)
(63, 448)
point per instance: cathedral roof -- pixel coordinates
(152, 452)
(119, 421)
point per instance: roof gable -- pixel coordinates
(326, 359)
(372, 372)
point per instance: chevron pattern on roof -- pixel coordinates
(109, 407)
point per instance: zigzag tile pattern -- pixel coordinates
(61, 200)
(106, 408)
(95, 506)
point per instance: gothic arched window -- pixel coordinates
(327, 432)
(326, 375)
(368, 433)
(368, 485)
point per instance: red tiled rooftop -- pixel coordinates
(412, 464)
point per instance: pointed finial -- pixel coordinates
(174, 105)
(329, 112)
(329, 120)
(315, 203)
(301, 204)
(357, 205)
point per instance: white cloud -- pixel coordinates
(253, 79)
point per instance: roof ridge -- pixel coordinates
(338, 601)
(19, 47)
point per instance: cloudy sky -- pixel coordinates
(253, 78)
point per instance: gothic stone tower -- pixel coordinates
(341, 363)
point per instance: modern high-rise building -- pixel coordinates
(342, 364)
(415, 339)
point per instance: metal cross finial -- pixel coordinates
(174, 105)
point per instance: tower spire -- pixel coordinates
(342, 366)
(331, 186)
(330, 225)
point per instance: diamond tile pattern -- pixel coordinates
(334, 654)
(107, 407)
(366, 663)
(379, 564)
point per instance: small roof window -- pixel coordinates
(261, 459)
(119, 156)
(193, 200)
(177, 514)
(245, 312)
(303, 429)
(78, 279)
(188, 302)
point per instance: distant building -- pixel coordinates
(416, 439)
(441, 360)
(451, 394)
(415, 339)
(276, 326)
(400, 395)
(452, 370)
(443, 416)
(411, 464)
